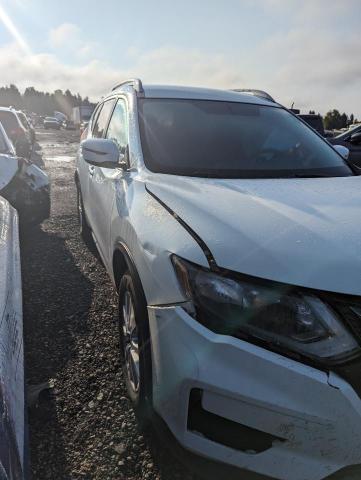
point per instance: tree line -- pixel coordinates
(45, 103)
(42, 103)
(335, 120)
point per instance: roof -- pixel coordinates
(196, 93)
(7, 109)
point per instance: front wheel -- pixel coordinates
(84, 228)
(135, 343)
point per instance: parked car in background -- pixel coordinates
(221, 218)
(18, 134)
(69, 125)
(27, 124)
(83, 127)
(60, 117)
(352, 140)
(13, 429)
(23, 184)
(82, 114)
(316, 122)
(51, 123)
(39, 120)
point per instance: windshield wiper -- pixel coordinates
(309, 175)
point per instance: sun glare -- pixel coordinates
(9, 25)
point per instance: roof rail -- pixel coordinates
(135, 82)
(256, 93)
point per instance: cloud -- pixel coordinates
(188, 66)
(308, 61)
(95, 78)
(70, 39)
(64, 35)
(311, 57)
(317, 69)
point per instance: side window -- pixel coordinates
(101, 122)
(94, 117)
(118, 126)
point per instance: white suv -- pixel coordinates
(232, 233)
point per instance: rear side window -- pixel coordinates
(3, 144)
(23, 120)
(101, 122)
(9, 121)
(94, 117)
(118, 126)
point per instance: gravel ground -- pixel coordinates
(84, 426)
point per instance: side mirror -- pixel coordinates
(102, 152)
(356, 138)
(22, 149)
(343, 151)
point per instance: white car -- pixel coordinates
(232, 233)
(13, 437)
(23, 184)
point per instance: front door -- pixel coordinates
(106, 182)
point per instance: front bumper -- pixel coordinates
(299, 424)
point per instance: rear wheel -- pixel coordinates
(135, 343)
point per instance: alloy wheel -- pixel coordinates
(130, 342)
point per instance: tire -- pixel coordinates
(135, 343)
(84, 229)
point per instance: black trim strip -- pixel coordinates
(211, 261)
(98, 152)
(224, 431)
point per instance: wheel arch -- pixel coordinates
(123, 261)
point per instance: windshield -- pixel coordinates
(232, 140)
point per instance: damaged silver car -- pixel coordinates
(22, 183)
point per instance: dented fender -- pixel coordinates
(152, 235)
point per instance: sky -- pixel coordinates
(306, 52)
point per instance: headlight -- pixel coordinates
(285, 318)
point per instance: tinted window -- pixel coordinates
(118, 127)
(315, 121)
(23, 120)
(228, 139)
(94, 117)
(8, 120)
(3, 145)
(101, 122)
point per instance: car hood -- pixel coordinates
(304, 232)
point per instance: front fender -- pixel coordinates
(151, 235)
